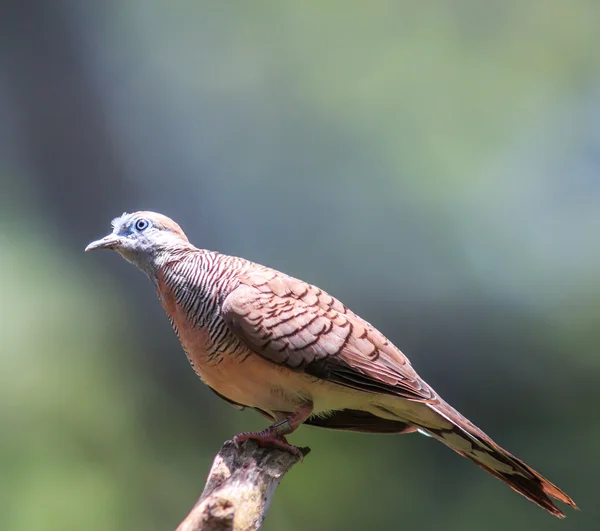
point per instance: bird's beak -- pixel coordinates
(108, 242)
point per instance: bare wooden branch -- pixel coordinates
(239, 488)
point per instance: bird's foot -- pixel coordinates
(274, 435)
(269, 438)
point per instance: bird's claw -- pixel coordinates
(267, 439)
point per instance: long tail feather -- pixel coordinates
(469, 441)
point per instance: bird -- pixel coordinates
(265, 340)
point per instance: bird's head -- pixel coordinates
(141, 238)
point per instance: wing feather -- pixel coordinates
(295, 324)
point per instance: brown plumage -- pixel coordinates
(262, 339)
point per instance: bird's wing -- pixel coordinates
(297, 325)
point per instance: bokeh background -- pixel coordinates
(435, 165)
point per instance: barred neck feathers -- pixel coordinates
(152, 263)
(198, 281)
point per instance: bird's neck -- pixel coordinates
(160, 260)
(190, 282)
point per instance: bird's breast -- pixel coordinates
(234, 372)
(244, 376)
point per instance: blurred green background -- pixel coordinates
(435, 165)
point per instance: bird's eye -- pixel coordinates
(141, 224)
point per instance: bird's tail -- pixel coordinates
(469, 441)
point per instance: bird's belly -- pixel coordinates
(252, 381)
(248, 379)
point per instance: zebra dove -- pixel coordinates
(262, 339)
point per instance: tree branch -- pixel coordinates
(239, 488)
